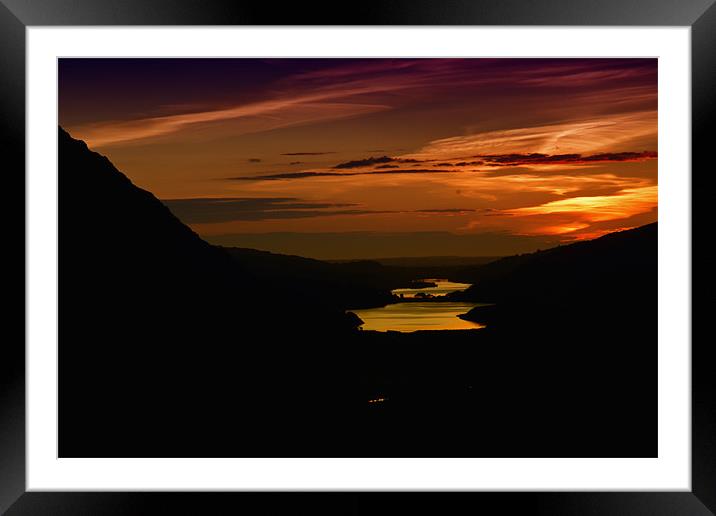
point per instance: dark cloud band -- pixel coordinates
(212, 210)
(514, 160)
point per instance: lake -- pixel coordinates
(441, 288)
(420, 315)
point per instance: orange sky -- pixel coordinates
(489, 156)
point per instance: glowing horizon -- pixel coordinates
(511, 154)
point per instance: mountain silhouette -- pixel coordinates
(617, 270)
(169, 346)
(324, 285)
(568, 360)
(160, 331)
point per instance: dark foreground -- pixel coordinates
(166, 350)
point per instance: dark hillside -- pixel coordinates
(305, 280)
(169, 346)
(160, 332)
(613, 277)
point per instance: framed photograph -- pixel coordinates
(417, 248)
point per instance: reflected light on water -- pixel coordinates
(413, 316)
(441, 288)
(421, 315)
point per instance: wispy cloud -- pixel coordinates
(308, 97)
(604, 134)
(261, 116)
(561, 147)
(359, 87)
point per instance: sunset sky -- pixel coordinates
(365, 158)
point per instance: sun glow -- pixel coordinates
(534, 151)
(599, 208)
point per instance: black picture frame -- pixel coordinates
(16, 15)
